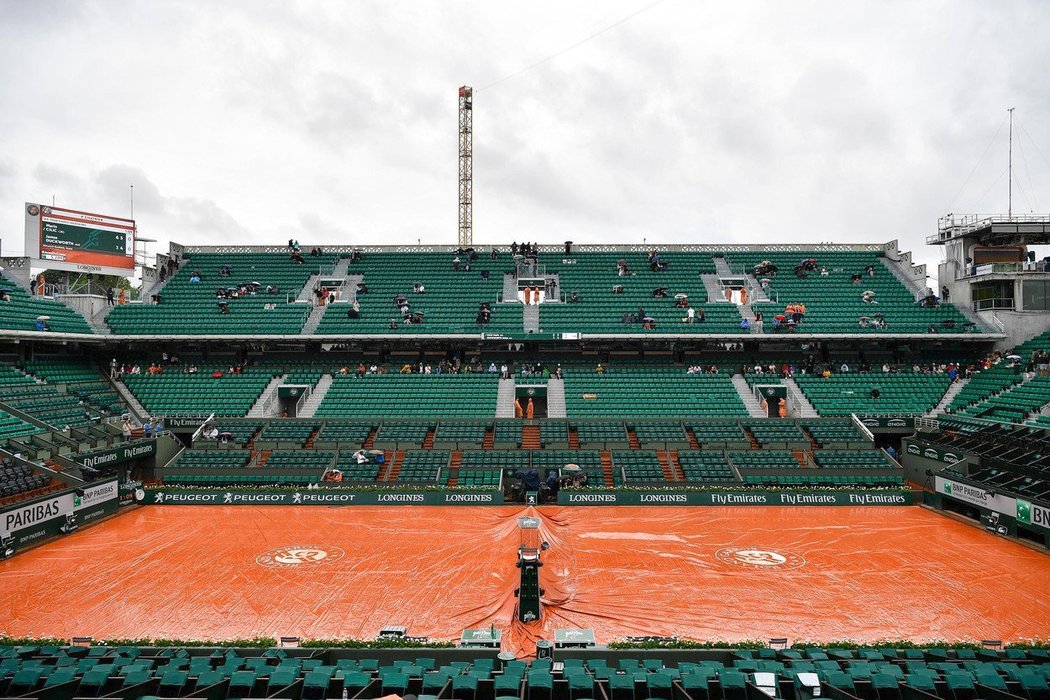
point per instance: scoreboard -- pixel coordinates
(67, 239)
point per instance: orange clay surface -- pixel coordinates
(819, 573)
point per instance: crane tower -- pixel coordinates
(466, 166)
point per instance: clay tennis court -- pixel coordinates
(736, 573)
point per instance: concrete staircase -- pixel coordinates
(314, 320)
(341, 268)
(914, 286)
(555, 294)
(756, 293)
(137, 409)
(722, 267)
(307, 292)
(97, 321)
(947, 399)
(555, 398)
(713, 288)
(505, 398)
(258, 408)
(795, 396)
(531, 318)
(510, 288)
(754, 407)
(316, 397)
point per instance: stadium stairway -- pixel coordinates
(531, 318)
(316, 396)
(258, 409)
(510, 288)
(911, 284)
(795, 395)
(723, 269)
(713, 287)
(313, 320)
(505, 398)
(946, 400)
(307, 292)
(556, 398)
(138, 411)
(756, 293)
(754, 408)
(747, 312)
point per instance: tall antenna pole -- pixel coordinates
(1010, 188)
(132, 201)
(466, 166)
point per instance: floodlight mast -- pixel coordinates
(466, 166)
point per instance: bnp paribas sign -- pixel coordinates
(1032, 514)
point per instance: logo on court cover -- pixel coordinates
(299, 555)
(754, 558)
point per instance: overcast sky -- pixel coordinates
(611, 121)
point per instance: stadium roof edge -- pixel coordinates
(544, 248)
(519, 337)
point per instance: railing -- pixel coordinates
(985, 304)
(929, 424)
(950, 226)
(862, 428)
(269, 404)
(999, 326)
(302, 400)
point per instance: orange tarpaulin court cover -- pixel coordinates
(817, 573)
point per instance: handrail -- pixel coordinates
(863, 428)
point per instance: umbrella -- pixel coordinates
(621, 262)
(868, 292)
(780, 317)
(571, 468)
(765, 280)
(1013, 357)
(681, 296)
(648, 319)
(43, 318)
(864, 318)
(225, 435)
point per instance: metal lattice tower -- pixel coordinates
(466, 166)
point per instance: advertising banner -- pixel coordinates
(317, 498)
(730, 498)
(584, 498)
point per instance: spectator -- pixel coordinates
(110, 294)
(125, 429)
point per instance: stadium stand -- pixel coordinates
(210, 390)
(187, 307)
(650, 393)
(21, 311)
(834, 301)
(851, 392)
(448, 305)
(723, 674)
(402, 395)
(593, 275)
(18, 482)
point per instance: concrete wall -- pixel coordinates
(1018, 326)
